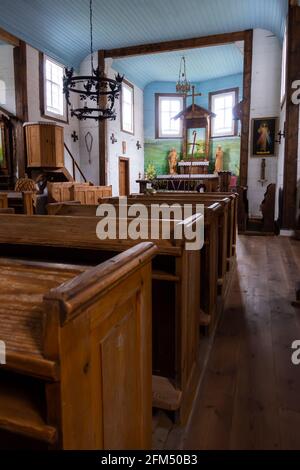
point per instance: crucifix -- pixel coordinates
(193, 96)
(194, 142)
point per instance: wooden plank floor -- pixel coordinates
(250, 395)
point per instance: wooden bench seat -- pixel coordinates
(22, 311)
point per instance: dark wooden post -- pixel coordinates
(292, 119)
(21, 105)
(102, 132)
(248, 47)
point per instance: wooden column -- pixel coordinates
(20, 66)
(292, 119)
(248, 51)
(102, 132)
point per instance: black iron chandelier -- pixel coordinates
(183, 86)
(97, 92)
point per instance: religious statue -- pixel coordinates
(172, 158)
(219, 159)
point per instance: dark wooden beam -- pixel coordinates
(102, 133)
(20, 65)
(169, 46)
(292, 121)
(248, 51)
(9, 38)
(8, 114)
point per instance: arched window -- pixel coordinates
(2, 92)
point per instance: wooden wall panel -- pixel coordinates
(248, 52)
(20, 65)
(292, 121)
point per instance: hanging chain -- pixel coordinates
(182, 70)
(91, 29)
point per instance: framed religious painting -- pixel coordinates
(264, 131)
(196, 142)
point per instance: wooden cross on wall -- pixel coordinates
(74, 136)
(193, 96)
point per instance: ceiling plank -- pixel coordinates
(9, 38)
(169, 46)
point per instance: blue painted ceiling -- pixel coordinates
(201, 65)
(61, 27)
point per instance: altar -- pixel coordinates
(193, 167)
(185, 182)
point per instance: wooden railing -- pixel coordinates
(75, 165)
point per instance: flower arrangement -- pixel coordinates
(150, 172)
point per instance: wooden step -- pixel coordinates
(164, 395)
(20, 414)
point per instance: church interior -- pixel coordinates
(116, 333)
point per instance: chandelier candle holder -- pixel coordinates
(97, 92)
(183, 86)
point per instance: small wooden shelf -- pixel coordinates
(21, 414)
(164, 276)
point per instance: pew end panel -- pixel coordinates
(106, 313)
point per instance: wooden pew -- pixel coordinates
(89, 194)
(21, 202)
(175, 297)
(8, 210)
(213, 197)
(3, 201)
(82, 192)
(215, 257)
(209, 255)
(78, 348)
(229, 218)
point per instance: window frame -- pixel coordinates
(235, 122)
(284, 68)
(44, 113)
(131, 86)
(157, 115)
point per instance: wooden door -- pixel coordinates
(124, 187)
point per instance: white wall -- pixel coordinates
(136, 157)
(34, 113)
(265, 102)
(90, 170)
(7, 78)
(114, 151)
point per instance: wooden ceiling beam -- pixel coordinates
(9, 38)
(169, 46)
